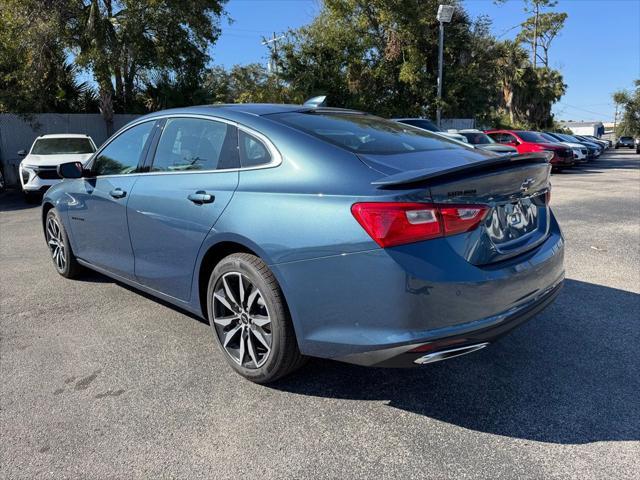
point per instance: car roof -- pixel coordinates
(233, 110)
(64, 135)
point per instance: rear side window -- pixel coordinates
(252, 151)
(365, 134)
(122, 155)
(196, 144)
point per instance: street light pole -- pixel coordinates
(445, 12)
(440, 51)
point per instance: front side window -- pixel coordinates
(122, 155)
(366, 134)
(477, 138)
(252, 151)
(196, 144)
(62, 146)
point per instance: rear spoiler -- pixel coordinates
(415, 176)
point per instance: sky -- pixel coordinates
(597, 52)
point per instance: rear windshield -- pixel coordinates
(61, 146)
(532, 137)
(365, 134)
(477, 138)
(626, 138)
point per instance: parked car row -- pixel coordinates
(568, 150)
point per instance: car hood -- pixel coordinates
(573, 145)
(54, 160)
(441, 159)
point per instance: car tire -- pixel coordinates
(250, 319)
(64, 260)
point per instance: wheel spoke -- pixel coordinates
(261, 336)
(260, 320)
(223, 301)
(241, 288)
(225, 321)
(252, 296)
(229, 336)
(242, 349)
(227, 290)
(252, 351)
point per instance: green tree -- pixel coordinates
(630, 103)
(35, 75)
(539, 32)
(382, 56)
(511, 66)
(122, 42)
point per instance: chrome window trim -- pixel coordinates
(276, 157)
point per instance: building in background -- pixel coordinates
(585, 128)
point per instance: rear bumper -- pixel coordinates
(369, 307)
(478, 333)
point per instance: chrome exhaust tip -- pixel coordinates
(447, 354)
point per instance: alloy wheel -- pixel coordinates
(56, 244)
(241, 319)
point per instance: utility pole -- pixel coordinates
(445, 12)
(274, 56)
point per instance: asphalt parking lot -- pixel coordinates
(100, 381)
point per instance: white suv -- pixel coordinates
(38, 169)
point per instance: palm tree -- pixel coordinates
(512, 64)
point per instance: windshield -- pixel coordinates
(421, 123)
(62, 146)
(569, 138)
(532, 137)
(365, 133)
(549, 138)
(477, 138)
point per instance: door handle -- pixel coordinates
(201, 197)
(117, 193)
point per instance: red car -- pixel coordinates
(526, 142)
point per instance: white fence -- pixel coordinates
(18, 133)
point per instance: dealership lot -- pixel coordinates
(100, 381)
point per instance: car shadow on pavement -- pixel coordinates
(569, 376)
(12, 200)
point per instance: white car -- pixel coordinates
(38, 169)
(580, 152)
(428, 125)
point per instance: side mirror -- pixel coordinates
(22, 153)
(70, 170)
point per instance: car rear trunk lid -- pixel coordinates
(515, 190)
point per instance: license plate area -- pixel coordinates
(513, 222)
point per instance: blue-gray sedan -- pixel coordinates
(309, 231)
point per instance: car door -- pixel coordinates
(97, 213)
(192, 176)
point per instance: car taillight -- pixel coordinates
(393, 223)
